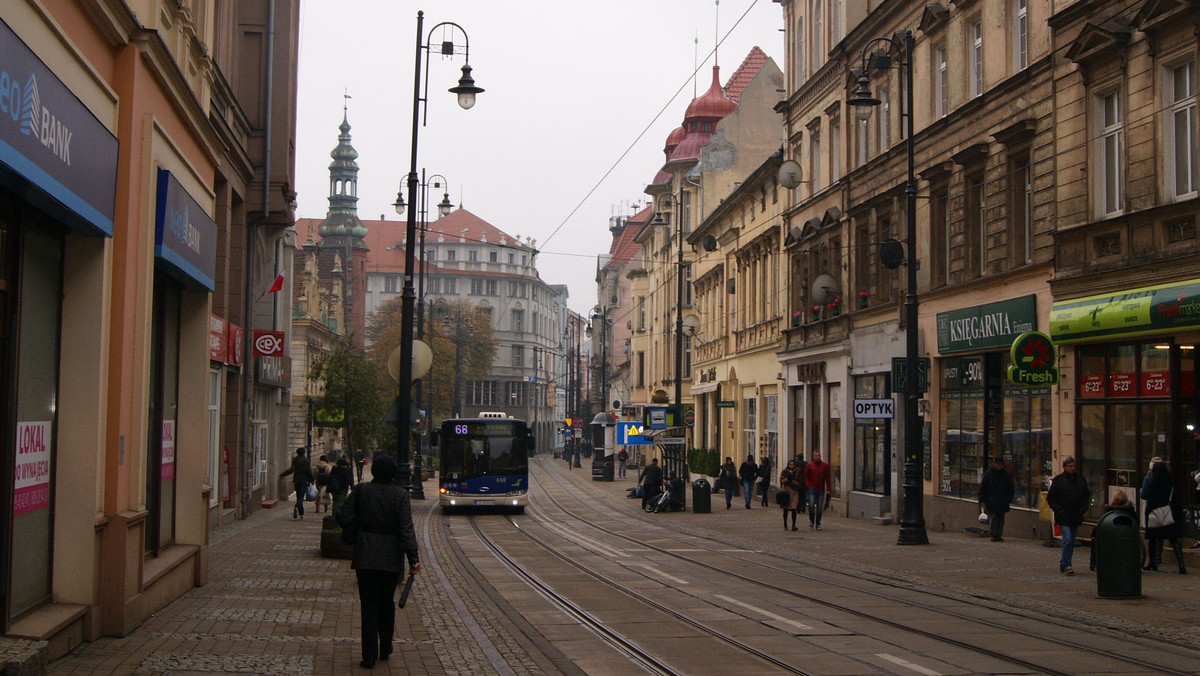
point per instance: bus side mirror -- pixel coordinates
(434, 436)
(531, 441)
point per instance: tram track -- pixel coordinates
(618, 641)
(763, 570)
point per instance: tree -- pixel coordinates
(462, 341)
(353, 385)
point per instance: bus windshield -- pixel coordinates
(482, 449)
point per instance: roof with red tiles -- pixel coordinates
(741, 77)
(624, 248)
(385, 239)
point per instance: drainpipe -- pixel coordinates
(247, 449)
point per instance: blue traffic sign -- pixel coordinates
(630, 434)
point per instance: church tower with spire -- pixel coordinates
(342, 251)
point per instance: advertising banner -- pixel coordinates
(1165, 308)
(31, 476)
(168, 449)
(217, 350)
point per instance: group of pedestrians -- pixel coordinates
(332, 482)
(1070, 499)
(806, 486)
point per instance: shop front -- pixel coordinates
(982, 415)
(814, 404)
(1133, 357)
(58, 167)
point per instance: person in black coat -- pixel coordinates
(995, 496)
(302, 476)
(383, 514)
(727, 479)
(341, 478)
(764, 476)
(749, 474)
(1069, 498)
(1158, 491)
(652, 479)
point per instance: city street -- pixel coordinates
(273, 606)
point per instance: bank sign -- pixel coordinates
(51, 139)
(987, 326)
(185, 238)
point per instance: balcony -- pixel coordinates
(817, 333)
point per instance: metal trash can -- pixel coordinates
(1118, 555)
(701, 496)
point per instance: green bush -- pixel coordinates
(712, 462)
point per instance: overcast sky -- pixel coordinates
(580, 97)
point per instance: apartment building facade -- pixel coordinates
(144, 189)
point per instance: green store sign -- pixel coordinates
(1165, 308)
(1033, 360)
(986, 326)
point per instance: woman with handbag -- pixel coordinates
(791, 483)
(381, 512)
(1163, 516)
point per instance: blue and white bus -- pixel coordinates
(484, 462)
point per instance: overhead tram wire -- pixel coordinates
(645, 130)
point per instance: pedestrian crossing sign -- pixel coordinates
(630, 434)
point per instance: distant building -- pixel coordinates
(469, 259)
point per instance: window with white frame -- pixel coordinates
(941, 90)
(798, 50)
(518, 321)
(862, 143)
(451, 254)
(1108, 153)
(518, 355)
(1179, 133)
(817, 42)
(835, 149)
(473, 255)
(1020, 38)
(814, 157)
(975, 58)
(214, 475)
(884, 120)
(750, 424)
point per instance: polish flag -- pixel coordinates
(275, 285)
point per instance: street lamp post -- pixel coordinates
(466, 91)
(912, 518)
(417, 488)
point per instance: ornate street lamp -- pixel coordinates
(912, 518)
(466, 91)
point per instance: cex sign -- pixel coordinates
(268, 343)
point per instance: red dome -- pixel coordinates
(673, 139)
(714, 104)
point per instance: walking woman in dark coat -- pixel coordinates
(791, 482)
(383, 514)
(1157, 492)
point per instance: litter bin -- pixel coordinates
(701, 496)
(602, 470)
(1118, 555)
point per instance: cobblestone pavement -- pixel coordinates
(1020, 573)
(273, 606)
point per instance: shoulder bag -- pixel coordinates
(1160, 517)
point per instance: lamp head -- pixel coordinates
(445, 206)
(399, 203)
(862, 100)
(466, 88)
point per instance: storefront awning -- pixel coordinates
(704, 388)
(1151, 310)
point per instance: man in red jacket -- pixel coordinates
(816, 477)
